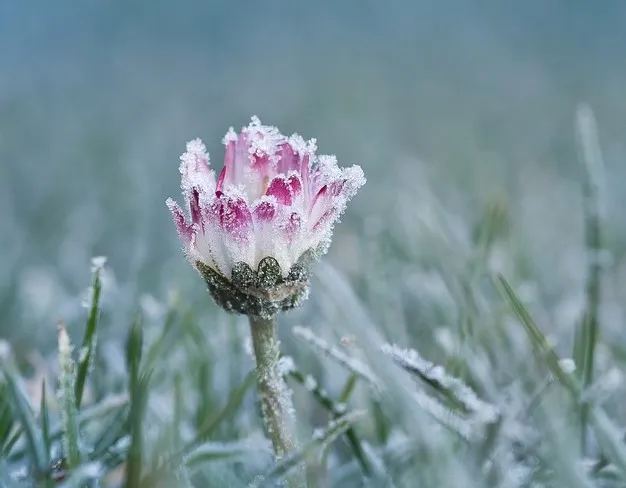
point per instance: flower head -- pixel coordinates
(254, 229)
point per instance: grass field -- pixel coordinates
(490, 239)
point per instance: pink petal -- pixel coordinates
(194, 167)
(289, 161)
(280, 188)
(229, 161)
(185, 231)
(293, 225)
(337, 187)
(233, 215)
(319, 196)
(196, 157)
(264, 211)
(326, 220)
(305, 174)
(295, 184)
(222, 177)
(194, 206)
(261, 163)
(235, 160)
(285, 189)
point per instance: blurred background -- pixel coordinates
(455, 110)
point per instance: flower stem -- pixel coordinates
(276, 406)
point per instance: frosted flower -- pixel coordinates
(253, 231)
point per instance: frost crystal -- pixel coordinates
(310, 383)
(353, 364)
(410, 360)
(264, 219)
(285, 365)
(97, 263)
(567, 365)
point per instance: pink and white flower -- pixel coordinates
(274, 197)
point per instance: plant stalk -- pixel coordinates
(276, 405)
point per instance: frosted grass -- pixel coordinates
(397, 273)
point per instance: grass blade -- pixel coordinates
(232, 405)
(67, 402)
(457, 394)
(45, 420)
(203, 433)
(26, 417)
(211, 451)
(336, 410)
(607, 433)
(89, 341)
(321, 439)
(348, 388)
(138, 392)
(593, 211)
(7, 421)
(45, 430)
(352, 364)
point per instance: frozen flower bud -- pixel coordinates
(254, 230)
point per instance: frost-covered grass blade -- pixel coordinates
(24, 412)
(67, 401)
(321, 439)
(607, 433)
(336, 409)
(87, 350)
(594, 212)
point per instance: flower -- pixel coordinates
(253, 231)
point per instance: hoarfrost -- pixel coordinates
(353, 364)
(230, 136)
(310, 383)
(410, 359)
(285, 365)
(97, 263)
(567, 365)
(340, 408)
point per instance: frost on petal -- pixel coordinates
(195, 167)
(184, 230)
(229, 161)
(208, 248)
(197, 178)
(262, 156)
(235, 160)
(302, 147)
(279, 189)
(294, 182)
(231, 230)
(274, 198)
(332, 197)
(292, 225)
(265, 213)
(230, 137)
(194, 206)
(351, 180)
(263, 139)
(265, 209)
(233, 215)
(326, 169)
(289, 160)
(285, 188)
